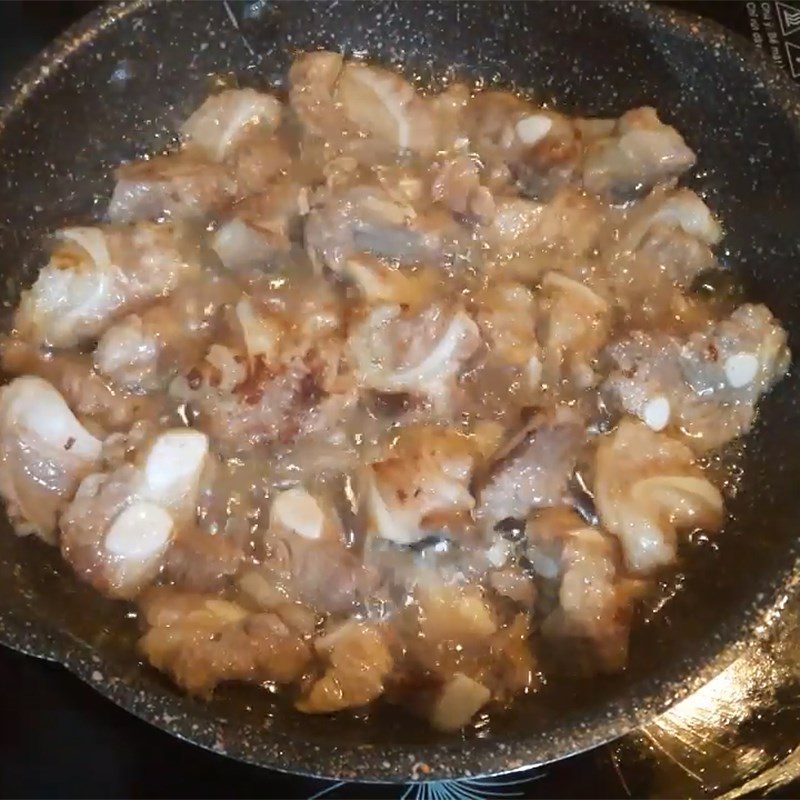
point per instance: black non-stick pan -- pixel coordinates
(117, 85)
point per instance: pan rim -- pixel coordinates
(391, 763)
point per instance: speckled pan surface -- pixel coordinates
(117, 85)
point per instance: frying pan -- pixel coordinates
(117, 85)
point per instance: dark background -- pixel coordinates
(58, 738)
